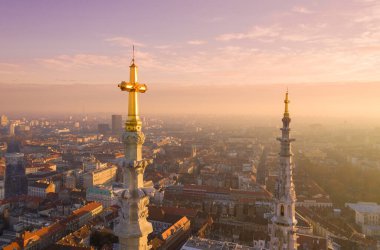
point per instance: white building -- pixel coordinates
(41, 189)
(99, 177)
(367, 215)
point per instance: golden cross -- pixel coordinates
(133, 122)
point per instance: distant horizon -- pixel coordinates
(327, 101)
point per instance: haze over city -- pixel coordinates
(189, 125)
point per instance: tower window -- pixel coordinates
(282, 210)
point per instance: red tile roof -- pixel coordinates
(176, 226)
(87, 208)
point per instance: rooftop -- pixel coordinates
(364, 207)
(175, 227)
(76, 238)
(87, 208)
(195, 243)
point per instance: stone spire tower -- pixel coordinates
(132, 227)
(283, 228)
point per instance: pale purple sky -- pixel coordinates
(190, 42)
(334, 44)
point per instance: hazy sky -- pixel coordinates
(348, 101)
(192, 42)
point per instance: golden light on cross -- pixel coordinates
(133, 122)
(126, 86)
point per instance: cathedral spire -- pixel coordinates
(132, 226)
(283, 228)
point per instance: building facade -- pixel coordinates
(100, 176)
(367, 216)
(41, 188)
(103, 195)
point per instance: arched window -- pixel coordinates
(282, 210)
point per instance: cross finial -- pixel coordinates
(133, 54)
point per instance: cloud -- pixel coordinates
(9, 68)
(196, 42)
(9, 65)
(256, 32)
(124, 41)
(272, 33)
(214, 19)
(328, 45)
(369, 14)
(165, 46)
(301, 10)
(79, 60)
(94, 61)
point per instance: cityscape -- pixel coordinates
(153, 145)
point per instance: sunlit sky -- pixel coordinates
(190, 42)
(197, 41)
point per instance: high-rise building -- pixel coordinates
(117, 124)
(15, 178)
(132, 227)
(283, 227)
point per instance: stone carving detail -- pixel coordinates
(136, 137)
(124, 210)
(143, 214)
(125, 200)
(140, 166)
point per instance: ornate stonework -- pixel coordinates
(283, 227)
(132, 226)
(136, 137)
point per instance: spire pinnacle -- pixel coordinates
(286, 101)
(283, 228)
(133, 54)
(133, 68)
